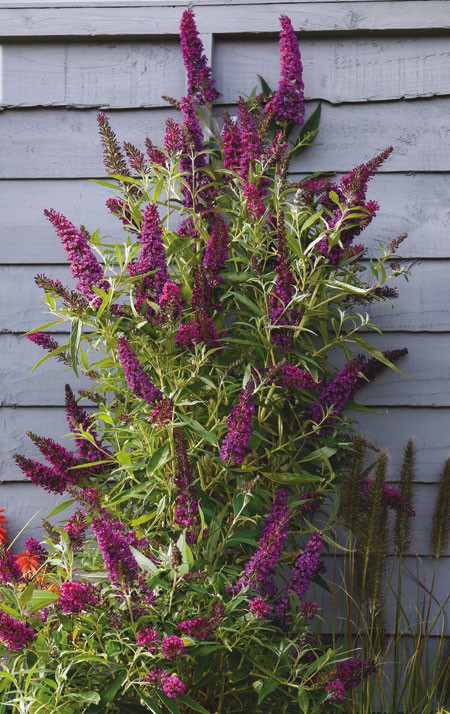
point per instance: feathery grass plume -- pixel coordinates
(114, 159)
(376, 595)
(351, 492)
(441, 516)
(402, 527)
(368, 535)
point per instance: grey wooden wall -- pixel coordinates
(381, 69)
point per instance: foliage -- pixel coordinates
(220, 332)
(405, 634)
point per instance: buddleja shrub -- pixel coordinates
(183, 579)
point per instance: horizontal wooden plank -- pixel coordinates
(341, 69)
(44, 387)
(416, 203)
(421, 305)
(427, 367)
(31, 238)
(388, 429)
(136, 73)
(219, 17)
(414, 569)
(427, 364)
(66, 144)
(422, 302)
(120, 74)
(22, 502)
(13, 439)
(154, 3)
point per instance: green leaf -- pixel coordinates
(303, 700)
(124, 458)
(74, 342)
(184, 699)
(312, 123)
(176, 246)
(149, 702)
(159, 457)
(53, 353)
(264, 86)
(61, 507)
(41, 328)
(239, 675)
(40, 599)
(171, 705)
(144, 562)
(93, 697)
(267, 688)
(376, 353)
(110, 692)
(236, 277)
(200, 430)
(251, 305)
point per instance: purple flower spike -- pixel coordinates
(232, 143)
(235, 445)
(114, 544)
(53, 480)
(200, 82)
(57, 455)
(261, 566)
(14, 633)
(135, 375)
(76, 528)
(193, 158)
(43, 339)
(152, 258)
(216, 251)
(259, 608)
(186, 501)
(288, 103)
(10, 571)
(84, 264)
(172, 647)
(79, 420)
(282, 293)
(76, 596)
(306, 567)
(336, 394)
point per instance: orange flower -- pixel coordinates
(29, 564)
(3, 536)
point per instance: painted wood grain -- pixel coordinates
(342, 69)
(236, 18)
(427, 367)
(422, 304)
(414, 569)
(13, 438)
(427, 364)
(57, 143)
(388, 429)
(28, 236)
(23, 502)
(120, 73)
(416, 203)
(127, 73)
(45, 386)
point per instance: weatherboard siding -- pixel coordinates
(382, 72)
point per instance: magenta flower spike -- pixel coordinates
(135, 375)
(14, 633)
(288, 103)
(200, 82)
(84, 264)
(235, 445)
